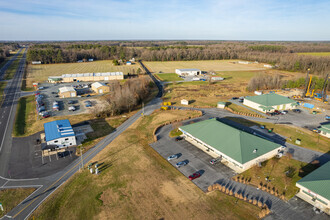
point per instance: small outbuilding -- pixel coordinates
(67, 92)
(100, 88)
(60, 133)
(128, 63)
(269, 102)
(36, 62)
(238, 149)
(325, 130)
(221, 105)
(188, 72)
(315, 188)
(184, 102)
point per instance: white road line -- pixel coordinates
(23, 186)
(4, 184)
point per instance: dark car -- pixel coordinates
(234, 98)
(296, 110)
(178, 138)
(276, 112)
(270, 113)
(88, 95)
(63, 154)
(46, 115)
(194, 176)
(71, 102)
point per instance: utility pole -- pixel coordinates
(81, 158)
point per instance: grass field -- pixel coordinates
(318, 54)
(308, 138)
(204, 65)
(25, 115)
(40, 73)
(275, 170)
(137, 183)
(168, 77)
(12, 197)
(241, 109)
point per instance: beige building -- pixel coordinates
(315, 188)
(184, 102)
(237, 149)
(269, 102)
(325, 130)
(67, 92)
(87, 77)
(100, 88)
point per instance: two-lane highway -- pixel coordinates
(7, 113)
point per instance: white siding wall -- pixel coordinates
(326, 134)
(187, 73)
(67, 141)
(256, 106)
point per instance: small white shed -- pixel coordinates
(184, 102)
(221, 105)
(188, 72)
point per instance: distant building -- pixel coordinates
(184, 102)
(100, 88)
(59, 133)
(238, 149)
(315, 188)
(269, 102)
(128, 63)
(325, 130)
(268, 66)
(36, 62)
(87, 77)
(67, 92)
(217, 78)
(132, 60)
(244, 62)
(188, 72)
(221, 104)
(80, 61)
(90, 60)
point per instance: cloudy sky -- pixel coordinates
(165, 19)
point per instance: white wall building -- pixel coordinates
(188, 72)
(60, 133)
(184, 102)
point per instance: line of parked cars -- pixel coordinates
(40, 106)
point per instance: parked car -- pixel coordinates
(296, 110)
(194, 176)
(284, 112)
(276, 112)
(63, 154)
(71, 102)
(72, 108)
(178, 138)
(234, 98)
(172, 157)
(41, 88)
(215, 160)
(181, 164)
(46, 115)
(88, 95)
(316, 130)
(327, 117)
(270, 113)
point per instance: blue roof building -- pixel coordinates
(59, 133)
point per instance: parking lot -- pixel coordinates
(49, 94)
(196, 158)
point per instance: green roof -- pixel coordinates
(237, 144)
(318, 181)
(326, 126)
(222, 103)
(270, 99)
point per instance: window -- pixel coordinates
(70, 143)
(66, 139)
(55, 141)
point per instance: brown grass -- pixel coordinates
(139, 184)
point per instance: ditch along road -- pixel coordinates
(45, 186)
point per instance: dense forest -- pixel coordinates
(282, 54)
(5, 49)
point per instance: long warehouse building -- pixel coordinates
(238, 149)
(86, 77)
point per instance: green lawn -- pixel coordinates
(12, 197)
(175, 132)
(168, 77)
(318, 54)
(241, 109)
(26, 106)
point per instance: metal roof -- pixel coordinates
(270, 99)
(98, 84)
(325, 128)
(189, 70)
(66, 89)
(58, 129)
(237, 144)
(92, 74)
(318, 181)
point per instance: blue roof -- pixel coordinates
(58, 129)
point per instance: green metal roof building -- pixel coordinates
(269, 102)
(325, 130)
(238, 147)
(315, 187)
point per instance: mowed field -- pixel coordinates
(204, 65)
(137, 183)
(318, 54)
(40, 73)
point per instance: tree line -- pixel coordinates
(5, 49)
(282, 54)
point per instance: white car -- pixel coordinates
(71, 108)
(172, 157)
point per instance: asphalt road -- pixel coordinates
(47, 185)
(6, 66)
(7, 113)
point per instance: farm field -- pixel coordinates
(318, 54)
(120, 190)
(40, 73)
(168, 77)
(204, 65)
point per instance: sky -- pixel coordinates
(297, 20)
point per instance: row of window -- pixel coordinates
(314, 197)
